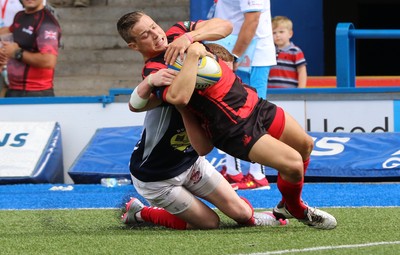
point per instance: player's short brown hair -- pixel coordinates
(220, 51)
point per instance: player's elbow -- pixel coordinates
(204, 151)
(227, 26)
(48, 61)
(178, 100)
(133, 109)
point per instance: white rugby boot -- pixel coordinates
(314, 217)
(132, 207)
(267, 218)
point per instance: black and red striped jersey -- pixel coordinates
(34, 32)
(231, 112)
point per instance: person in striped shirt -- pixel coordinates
(290, 71)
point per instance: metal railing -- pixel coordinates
(346, 35)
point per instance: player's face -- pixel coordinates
(150, 39)
(282, 36)
(32, 5)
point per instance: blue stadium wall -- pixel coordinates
(307, 17)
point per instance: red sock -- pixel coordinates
(305, 166)
(292, 194)
(160, 216)
(251, 221)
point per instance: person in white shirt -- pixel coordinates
(254, 53)
(8, 10)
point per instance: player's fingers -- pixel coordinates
(167, 55)
(171, 57)
(182, 54)
(210, 55)
(174, 56)
(170, 76)
(171, 72)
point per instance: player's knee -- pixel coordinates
(211, 224)
(298, 172)
(307, 147)
(240, 210)
(243, 217)
(243, 213)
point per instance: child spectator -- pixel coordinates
(290, 71)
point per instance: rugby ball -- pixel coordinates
(208, 72)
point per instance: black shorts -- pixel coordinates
(266, 118)
(24, 93)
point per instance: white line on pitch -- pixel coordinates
(325, 248)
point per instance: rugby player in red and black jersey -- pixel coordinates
(33, 54)
(235, 119)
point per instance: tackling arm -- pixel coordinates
(197, 136)
(209, 30)
(182, 87)
(142, 98)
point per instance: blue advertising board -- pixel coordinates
(335, 157)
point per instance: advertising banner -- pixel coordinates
(355, 155)
(350, 116)
(30, 152)
(336, 156)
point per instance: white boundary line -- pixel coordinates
(350, 246)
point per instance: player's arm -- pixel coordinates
(197, 135)
(208, 30)
(211, 30)
(302, 76)
(35, 59)
(182, 87)
(3, 59)
(142, 98)
(40, 60)
(4, 30)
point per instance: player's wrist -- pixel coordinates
(137, 101)
(18, 54)
(189, 37)
(236, 58)
(151, 85)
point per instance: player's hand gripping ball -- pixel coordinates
(208, 72)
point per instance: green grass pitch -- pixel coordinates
(359, 231)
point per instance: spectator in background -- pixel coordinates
(254, 49)
(33, 54)
(8, 10)
(291, 71)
